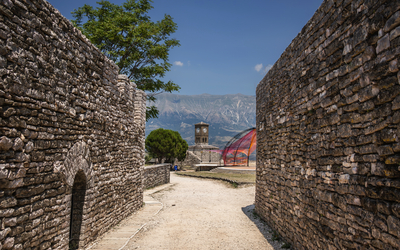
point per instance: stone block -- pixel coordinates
(376, 128)
(368, 149)
(393, 226)
(37, 156)
(396, 209)
(395, 33)
(389, 239)
(5, 143)
(393, 67)
(396, 103)
(344, 131)
(8, 243)
(367, 106)
(344, 179)
(378, 244)
(6, 202)
(371, 158)
(18, 144)
(381, 224)
(393, 160)
(389, 194)
(368, 93)
(387, 135)
(383, 44)
(385, 150)
(392, 22)
(383, 207)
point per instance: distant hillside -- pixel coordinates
(227, 115)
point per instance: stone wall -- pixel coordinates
(190, 160)
(156, 175)
(71, 133)
(328, 124)
(207, 156)
(194, 158)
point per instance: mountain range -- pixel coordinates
(227, 115)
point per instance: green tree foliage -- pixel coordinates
(166, 144)
(139, 47)
(147, 158)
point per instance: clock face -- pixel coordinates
(204, 130)
(197, 130)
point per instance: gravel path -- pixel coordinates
(203, 214)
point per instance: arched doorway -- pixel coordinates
(77, 201)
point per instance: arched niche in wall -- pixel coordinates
(77, 204)
(76, 172)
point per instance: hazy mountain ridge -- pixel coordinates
(226, 114)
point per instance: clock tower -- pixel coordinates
(202, 151)
(201, 133)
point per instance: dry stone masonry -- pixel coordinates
(201, 155)
(328, 124)
(71, 133)
(191, 160)
(156, 175)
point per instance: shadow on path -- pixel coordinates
(263, 227)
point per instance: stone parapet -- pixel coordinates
(156, 175)
(71, 133)
(328, 128)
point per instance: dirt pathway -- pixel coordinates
(203, 214)
(119, 236)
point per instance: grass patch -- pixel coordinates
(238, 178)
(275, 236)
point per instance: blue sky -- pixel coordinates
(226, 45)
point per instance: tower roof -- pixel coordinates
(201, 123)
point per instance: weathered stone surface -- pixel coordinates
(394, 225)
(29, 147)
(70, 127)
(345, 178)
(392, 22)
(6, 202)
(396, 209)
(8, 243)
(383, 44)
(395, 33)
(18, 144)
(156, 175)
(4, 233)
(5, 143)
(385, 150)
(348, 134)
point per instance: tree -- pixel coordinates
(139, 47)
(166, 144)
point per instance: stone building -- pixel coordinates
(328, 128)
(71, 133)
(201, 152)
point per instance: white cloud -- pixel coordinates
(258, 67)
(178, 63)
(267, 68)
(262, 69)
